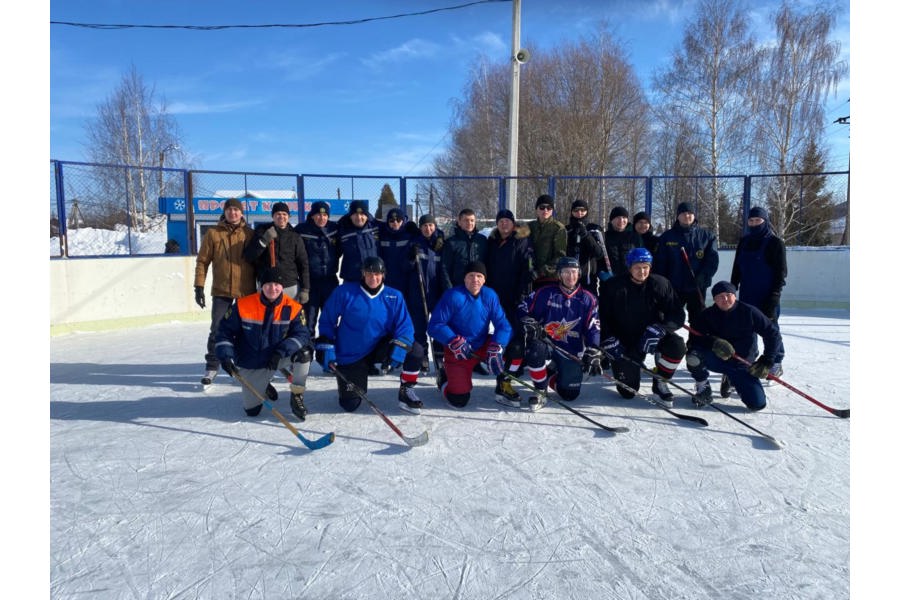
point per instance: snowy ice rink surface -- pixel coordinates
(159, 490)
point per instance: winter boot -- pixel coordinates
(505, 394)
(441, 378)
(661, 389)
(271, 392)
(703, 394)
(253, 412)
(207, 379)
(423, 370)
(725, 387)
(409, 401)
(297, 406)
(536, 403)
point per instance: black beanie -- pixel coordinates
(505, 213)
(357, 206)
(723, 286)
(272, 274)
(543, 199)
(233, 203)
(579, 204)
(319, 206)
(685, 207)
(618, 211)
(280, 207)
(476, 266)
(759, 212)
(426, 219)
(641, 216)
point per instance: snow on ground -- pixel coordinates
(159, 490)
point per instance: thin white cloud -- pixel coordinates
(203, 108)
(413, 49)
(298, 66)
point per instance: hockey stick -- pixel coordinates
(693, 395)
(843, 413)
(545, 394)
(311, 444)
(603, 251)
(687, 261)
(650, 399)
(438, 360)
(419, 440)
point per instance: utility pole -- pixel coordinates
(519, 56)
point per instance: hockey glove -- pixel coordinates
(303, 297)
(592, 361)
(760, 368)
(199, 298)
(325, 352)
(274, 359)
(398, 354)
(722, 348)
(460, 348)
(612, 347)
(532, 328)
(604, 275)
(495, 358)
(229, 367)
(651, 337)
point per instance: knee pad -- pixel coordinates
(569, 394)
(458, 400)
(693, 360)
(303, 355)
(669, 352)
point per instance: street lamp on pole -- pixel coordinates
(519, 56)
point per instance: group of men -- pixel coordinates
(559, 300)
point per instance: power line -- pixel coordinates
(269, 25)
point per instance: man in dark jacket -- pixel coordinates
(261, 334)
(688, 256)
(319, 236)
(429, 282)
(583, 244)
(357, 240)
(760, 270)
(644, 228)
(548, 242)
(639, 315)
(508, 262)
(276, 244)
(620, 239)
(464, 246)
(395, 249)
(730, 327)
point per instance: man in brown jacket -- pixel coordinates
(233, 277)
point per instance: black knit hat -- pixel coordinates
(357, 206)
(543, 199)
(319, 207)
(505, 213)
(579, 204)
(618, 211)
(723, 286)
(426, 219)
(476, 266)
(280, 207)
(233, 203)
(758, 212)
(641, 216)
(272, 275)
(685, 207)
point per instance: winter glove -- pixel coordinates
(413, 253)
(229, 367)
(325, 352)
(651, 337)
(270, 234)
(532, 328)
(769, 305)
(591, 361)
(398, 354)
(199, 298)
(605, 275)
(274, 359)
(760, 368)
(580, 230)
(460, 348)
(722, 348)
(613, 347)
(495, 358)
(303, 297)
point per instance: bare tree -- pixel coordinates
(705, 89)
(133, 128)
(799, 71)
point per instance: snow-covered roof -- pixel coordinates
(282, 194)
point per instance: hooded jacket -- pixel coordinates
(223, 247)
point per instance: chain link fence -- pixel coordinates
(106, 210)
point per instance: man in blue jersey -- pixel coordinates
(364, 323)
(563, 315)
(461, 321)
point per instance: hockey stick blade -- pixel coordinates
(419, 440)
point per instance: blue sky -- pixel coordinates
(372, 98)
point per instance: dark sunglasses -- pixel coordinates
(545, 207)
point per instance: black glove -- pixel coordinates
(274, 359)
(413, 253)
(722, 348)
(769, 305)
(581, 230)
(229, 367)
(270, 234)
(612, 347)
(760, 368)
(591, 361)
(199, 298)
(532, 328)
